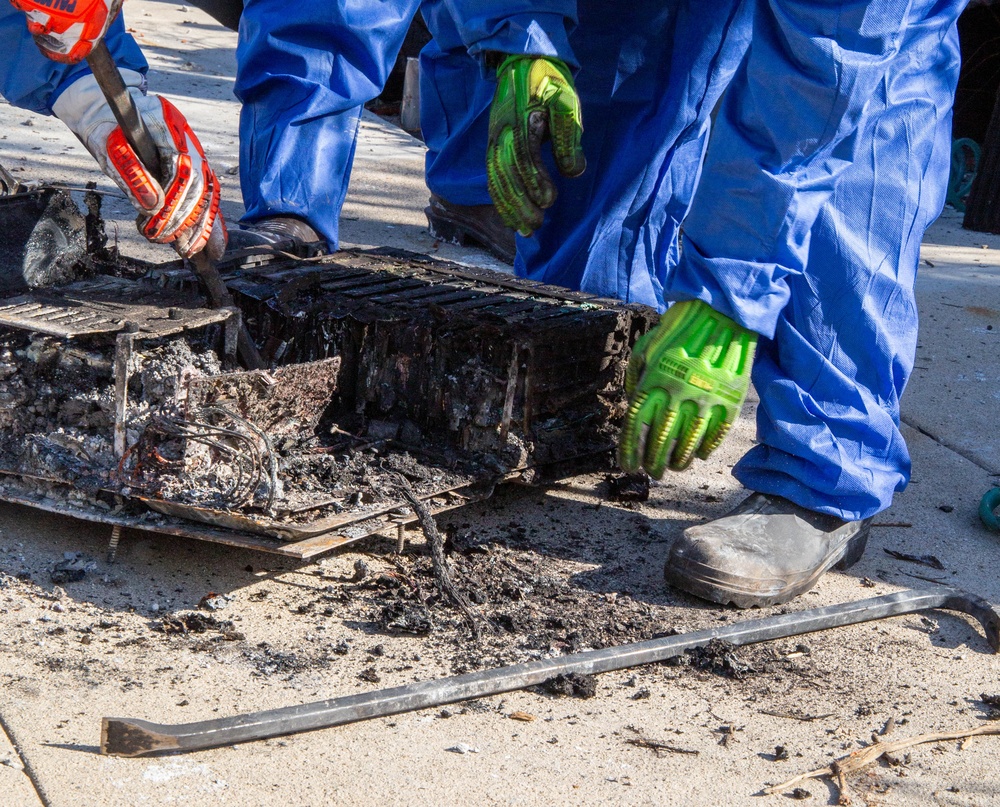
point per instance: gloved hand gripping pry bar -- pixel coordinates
(117, 95)
(132, 738)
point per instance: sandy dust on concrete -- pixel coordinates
(582, 570)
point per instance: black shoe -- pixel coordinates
(462, 224)
(766, 551)
(286, 233)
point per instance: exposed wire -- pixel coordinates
(232, 440)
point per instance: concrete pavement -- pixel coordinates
(70, 655)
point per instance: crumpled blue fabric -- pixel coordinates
(304, 72)
(454, 111)
(831, 378)
(536, 27)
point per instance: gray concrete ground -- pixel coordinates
(72, 655)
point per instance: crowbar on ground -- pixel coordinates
(122, 736)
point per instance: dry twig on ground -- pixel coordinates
(659, 748)
(857, 760)
(442, 573)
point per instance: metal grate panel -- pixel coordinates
(107, 305)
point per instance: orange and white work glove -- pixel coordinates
(181, 210)
(67, 31)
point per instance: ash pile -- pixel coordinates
(120, 398)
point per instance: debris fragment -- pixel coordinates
(992, 701)
(626, 487)
(193, 622)
(462, 748)
(402, 617)
(924, 560)
(727, 735)
(719, 657)
(370, 675)
(938, 580)
(659, 748)
(360, 572)
(572, 685)
(442, 572)
(524, 717)
(267, 661)
(805, 718)
(214, 602)
(72, 568)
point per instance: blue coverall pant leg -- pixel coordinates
(304, 71)
(650, 74)
(454, 112)
(829, 161)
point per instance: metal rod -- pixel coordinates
(105, 71)
(131, 737)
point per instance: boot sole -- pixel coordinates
(709, 584)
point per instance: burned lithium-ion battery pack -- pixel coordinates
(120, 401)
(519, 376)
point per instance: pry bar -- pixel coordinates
(132, 738)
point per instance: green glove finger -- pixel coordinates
(691, 435)
(715, 431)
(721, 418)
(632, 442)
(552, 83)
(528, 162)
(566, 148)
(659, 439)
(628, 445)
(507, 190)
(553, 113)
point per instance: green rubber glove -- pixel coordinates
(686, 382)
(534, 101)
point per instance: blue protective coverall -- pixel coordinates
(835, 115)
(844, 342)
(304, 71)
(30, 80)
(454, 112)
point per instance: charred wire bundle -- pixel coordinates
(238, 459)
